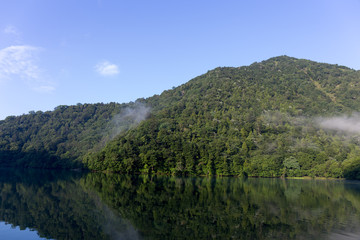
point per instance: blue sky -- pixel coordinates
(64, 52)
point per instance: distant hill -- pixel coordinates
(59, 138)
(257, 120)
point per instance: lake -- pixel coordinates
(38, 204)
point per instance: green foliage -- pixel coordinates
(255, 120)
(59, 138)
(291, 163)
(352, 165)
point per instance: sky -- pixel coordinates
(64, 52)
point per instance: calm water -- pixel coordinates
(70, 205)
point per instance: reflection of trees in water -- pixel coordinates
(56, 206)
(225, 208)
(112, 225)
(98, 206)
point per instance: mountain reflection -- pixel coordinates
(55, 205)
(70, 205)
(231, 208)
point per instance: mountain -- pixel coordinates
(258, 120)
(59, 138)
(265, 119)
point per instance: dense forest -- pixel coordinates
(59, 138)
(259, 120)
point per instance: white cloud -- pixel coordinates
(19, 61)
(11, 30)
(349, 124)
(44, 89)
(106, 68)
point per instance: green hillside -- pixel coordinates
(59, 138)
(257, 120)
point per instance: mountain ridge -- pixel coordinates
(215, 124)
(224, 122)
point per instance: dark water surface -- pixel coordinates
(71, 205)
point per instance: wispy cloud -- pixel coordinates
(106, 68)
(19, 61)
(128, 118)
(11, 30)
(349, 124)
(44, 89)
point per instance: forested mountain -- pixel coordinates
(260, 120)
(59, 138)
